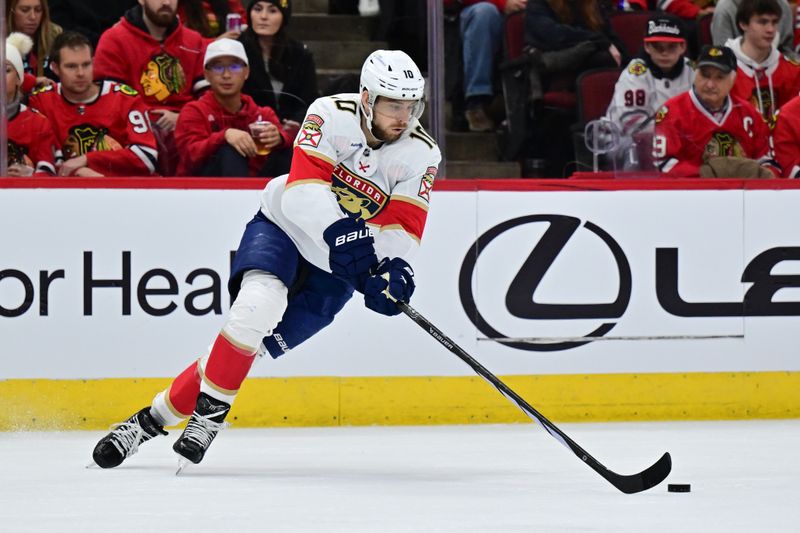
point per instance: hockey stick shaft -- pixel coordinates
(627, 484)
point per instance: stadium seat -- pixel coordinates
(595, 89)
(631, 26)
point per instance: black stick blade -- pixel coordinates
(644, 480)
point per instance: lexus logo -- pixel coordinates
(520, 298)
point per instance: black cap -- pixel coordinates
(664, 27)
(285, 7)
(720, 57)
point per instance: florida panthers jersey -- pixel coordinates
(112, 130)
(687, 135)
(335, 174)
(639, 94)
(31, 142)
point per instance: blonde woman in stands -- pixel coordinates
(32, 17)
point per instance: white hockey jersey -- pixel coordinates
(335, 172)
(639, 94)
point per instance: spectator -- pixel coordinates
(707, 132)
(213, 134)
(686, 9)
(282, 71)
(786, 138)
(481, 32)
(724, 26)
(101, 126)
(659, 73)
(32, 17)
(764, 76)
(209, 17)
(32, 146)
(89, 17)
(150, 51)
(578, 29)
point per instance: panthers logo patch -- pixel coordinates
(311, 132)
(637, 68)
(426, 184)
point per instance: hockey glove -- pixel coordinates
(394, 276)
(352, 251)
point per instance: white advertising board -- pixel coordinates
(98, 283)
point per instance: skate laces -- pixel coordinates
(127, 436)
(202, 430)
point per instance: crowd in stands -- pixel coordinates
(220, 87)
(168, 87)
(702, 94)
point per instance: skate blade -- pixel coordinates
(182, 464)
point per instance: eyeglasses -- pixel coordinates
(233, 68)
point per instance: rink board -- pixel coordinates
(688, 291)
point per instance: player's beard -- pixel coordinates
(385, 135)
(163, 18)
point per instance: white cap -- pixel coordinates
(17, 45)
(225, 48)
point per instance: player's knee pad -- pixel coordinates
(257, 309)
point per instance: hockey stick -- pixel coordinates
(631, 484)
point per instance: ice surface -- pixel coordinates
(490, 478)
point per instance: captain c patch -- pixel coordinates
(310, 134)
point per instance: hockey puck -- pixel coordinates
(678, 487)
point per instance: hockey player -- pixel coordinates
(660, 73)
(348, 216)
(706, 126)
(102, 127)
(765, 77)
(786, 137)
(32, 146)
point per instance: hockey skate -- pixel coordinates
(125, 438)
(207, 420)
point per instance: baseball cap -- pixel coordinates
(225, 48)
(720, 57)
(664, 27)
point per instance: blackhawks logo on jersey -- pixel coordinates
(766, 102)
(722, 143)
(637, 68)
(163, 76)
(357, 195)
(18, 155)
(86, 138)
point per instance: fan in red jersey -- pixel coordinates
(102, 126)
(764, 77)
(32, 146)
(786, 137)
(700, 127)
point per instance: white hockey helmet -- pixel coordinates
(391, 73)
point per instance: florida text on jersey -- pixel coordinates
(334, 171)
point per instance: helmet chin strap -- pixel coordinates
(369, 115)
